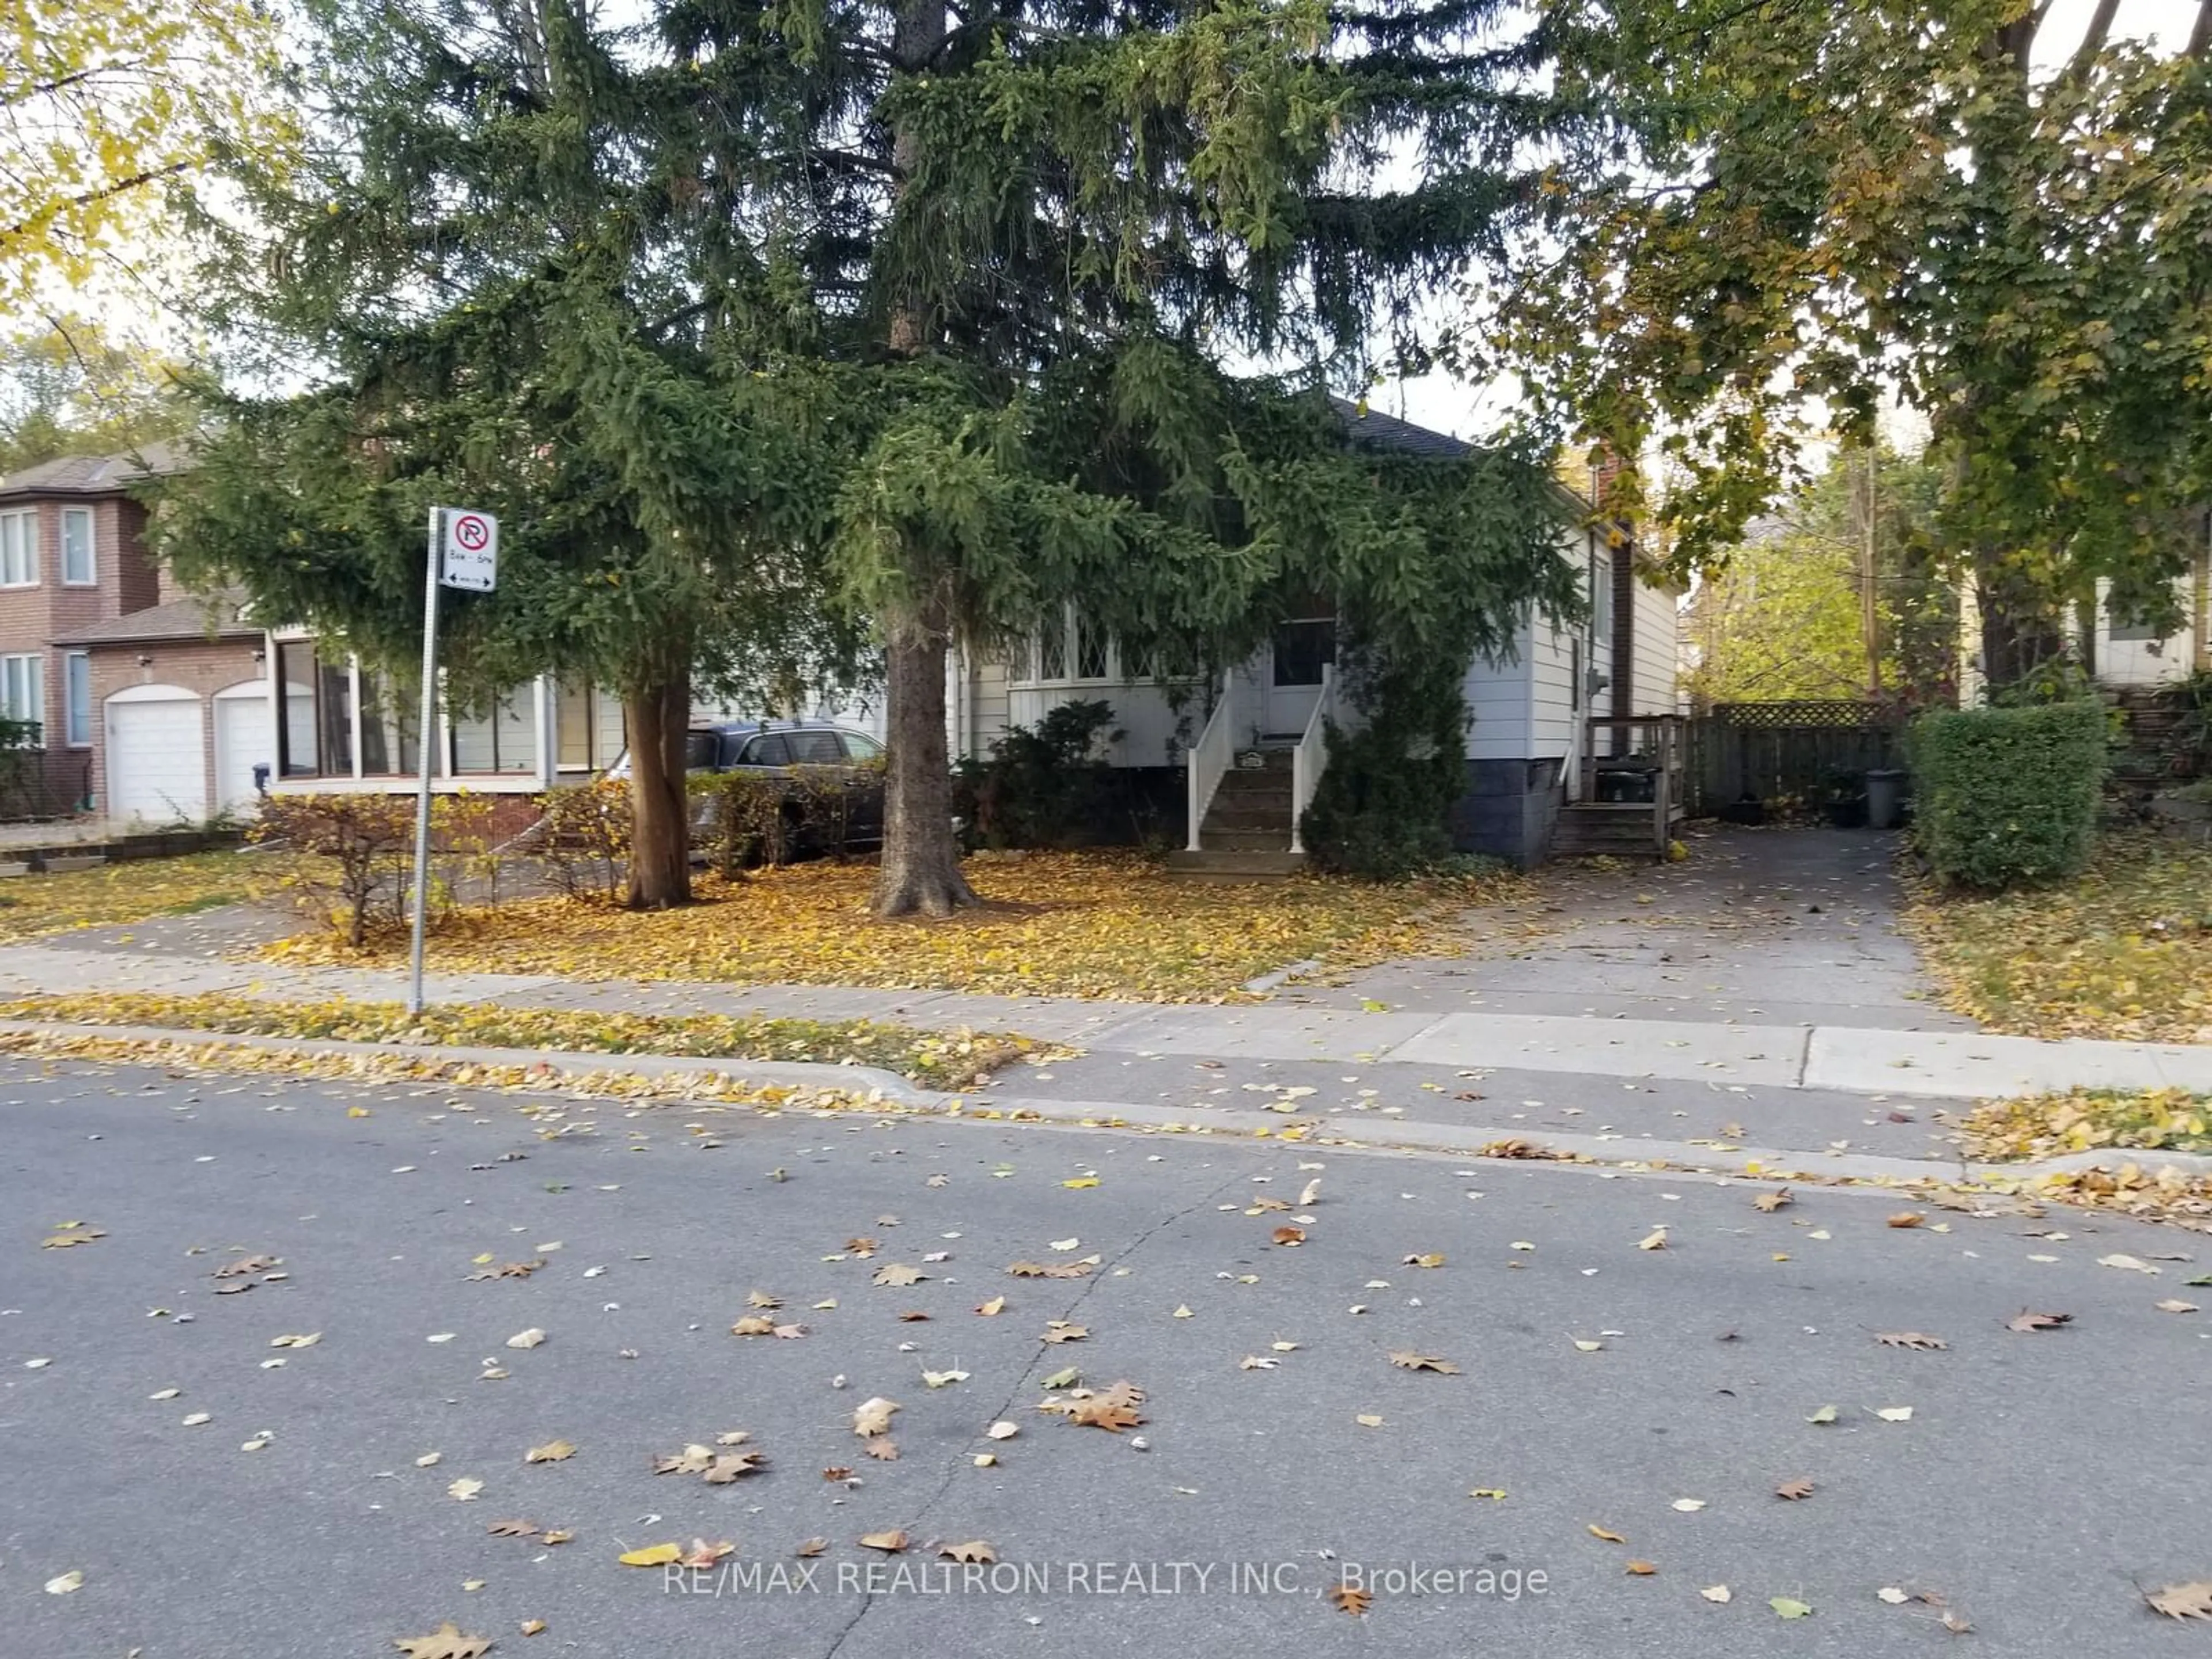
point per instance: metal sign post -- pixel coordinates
(462, 552)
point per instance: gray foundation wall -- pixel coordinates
(1510, 810)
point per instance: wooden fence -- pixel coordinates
(1787, 753)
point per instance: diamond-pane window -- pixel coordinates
(1090, 650)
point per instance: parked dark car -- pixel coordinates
(773, 748)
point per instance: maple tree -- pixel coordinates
(1785, 613)
(106, 106)
(1806, 206)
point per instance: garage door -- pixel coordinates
(245, 738)
(156, 764)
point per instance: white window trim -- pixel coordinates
(1116, 673)
(38, 674)
(91, 547)
(70, 710)
(21, 514)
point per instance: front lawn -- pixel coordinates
(934, 1059)
(2123, 950)
(136, 890)
(1106, 924)
(2083, 1120)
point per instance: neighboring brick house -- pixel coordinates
(183, 696)
(77, 591)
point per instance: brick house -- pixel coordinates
(97, 651)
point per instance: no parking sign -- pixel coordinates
(471, 550)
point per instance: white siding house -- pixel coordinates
(1527, 729)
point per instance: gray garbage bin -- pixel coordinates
(1884, 786)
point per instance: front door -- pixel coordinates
(1300, 650)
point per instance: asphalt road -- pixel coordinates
(2038, 1481)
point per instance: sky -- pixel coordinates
(1435, 400)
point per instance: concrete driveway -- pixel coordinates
(1757, 926)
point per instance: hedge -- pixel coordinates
(2005, 796)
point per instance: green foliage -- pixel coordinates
(765, 325)
(750, 816)
(1382, 806)
(1041, 786)
(75, 392)
(1782, 618)
(1825, 204)
(2004, 797)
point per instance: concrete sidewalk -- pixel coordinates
(1850, 1059)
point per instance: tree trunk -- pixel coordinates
(921, 860)
(2018, 636)
(660, 812)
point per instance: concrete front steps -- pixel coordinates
(1214, 866)
(1246, 836)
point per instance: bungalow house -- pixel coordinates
(1240, 753)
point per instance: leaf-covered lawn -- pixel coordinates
(934, 1059)
(2046, 1126)
(134, 890)
(2123, 951)
(1089, 924)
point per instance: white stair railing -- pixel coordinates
(1209, 757)
(1310, 758)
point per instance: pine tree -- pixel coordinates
(931, 311)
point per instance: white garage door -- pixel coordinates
(245, 736)
(156, 765)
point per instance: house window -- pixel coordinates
(390, 711)
(19, 549)
(78, 567)
(1052, 651)
(1090, 649)
(2141, 633)
(77, 687)
(502, 739)
(23, 694)
(589, 721)
(315, 737)
(1068, 647)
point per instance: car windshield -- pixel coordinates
(698, 750)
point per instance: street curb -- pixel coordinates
(867, 1084)
(869, 1080)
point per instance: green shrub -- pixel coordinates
(2006, 796)
(1041, 786)
(1384, 807)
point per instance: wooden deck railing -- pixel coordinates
(1633, 760)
